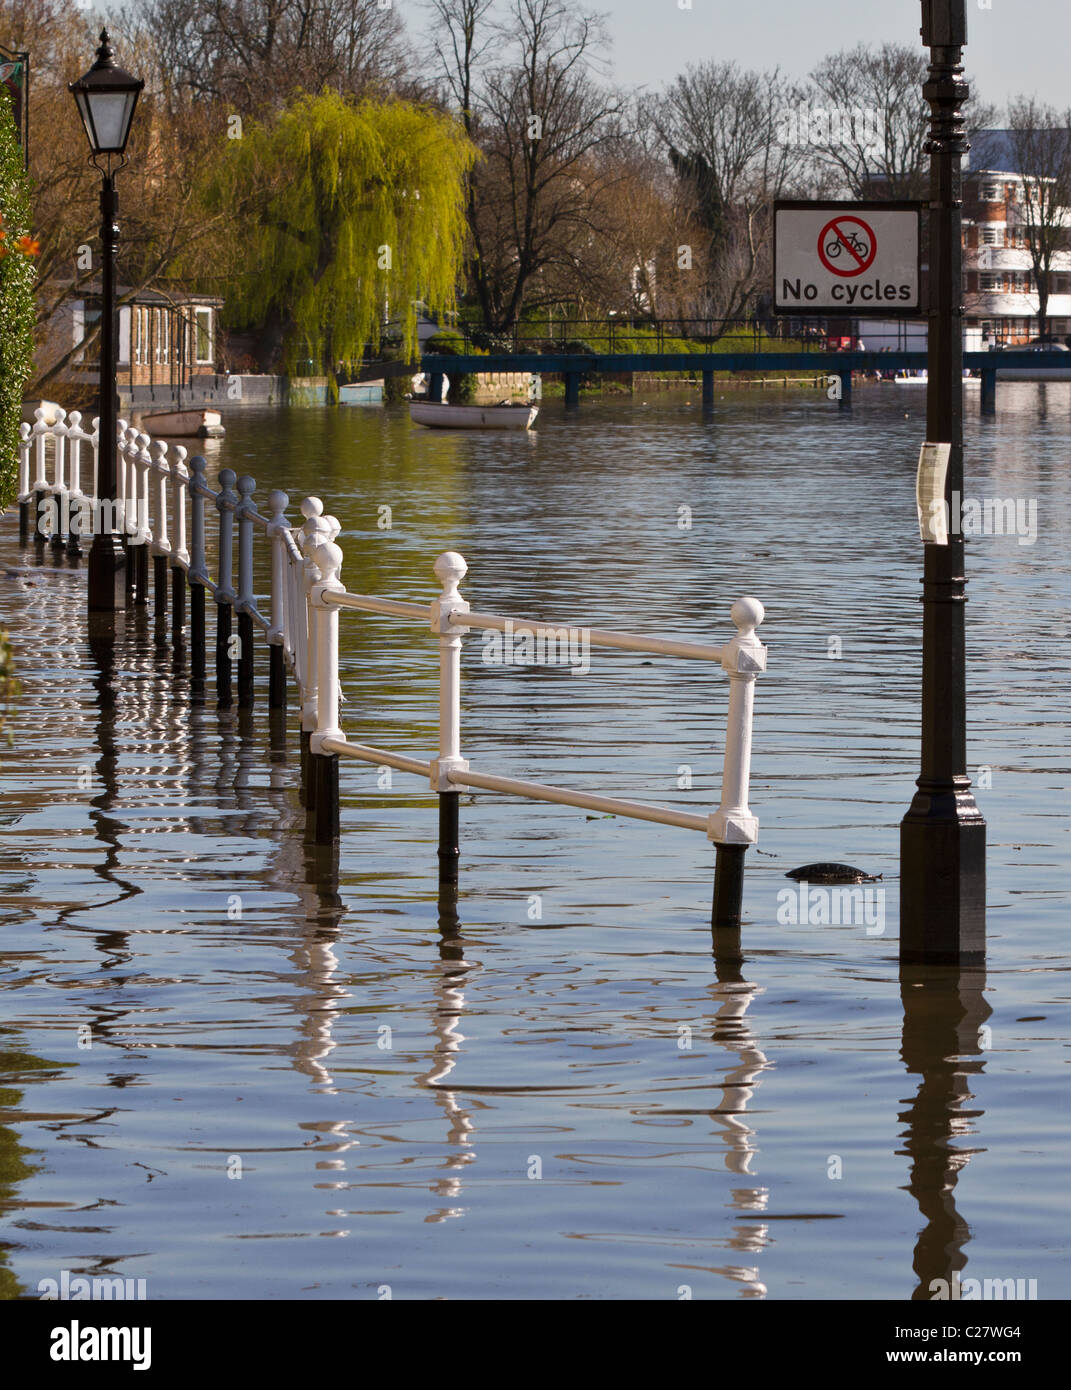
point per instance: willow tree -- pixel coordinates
(345, 213)
(17, 252)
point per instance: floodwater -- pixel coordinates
(232, 1074)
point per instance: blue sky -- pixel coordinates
(655, 39)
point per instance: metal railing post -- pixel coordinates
(278, 501)
(142, 535)
(180, 556)
(25, 495)
(199, 492)
(322, 810)
(450, 568)
(161, 542)
(245, 512)
(226, 501)
(77, 499)
(732, 826)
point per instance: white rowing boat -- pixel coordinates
(472, 417)
(184, 424)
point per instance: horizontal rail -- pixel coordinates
(624, 641)
(540, 791)
(366, 754)
(368, 604)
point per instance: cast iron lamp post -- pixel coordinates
(942, 836)
(106, 97)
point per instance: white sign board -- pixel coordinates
(847, 259)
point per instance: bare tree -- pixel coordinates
(1039, 141)
(542, 119)
(723, 131)
(254, 55)
(867, 119)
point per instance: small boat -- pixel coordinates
(184, 424)
(438, 416)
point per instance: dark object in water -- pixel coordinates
(831, 873)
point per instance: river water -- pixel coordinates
(234, 1075)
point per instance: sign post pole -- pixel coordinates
(943, 835)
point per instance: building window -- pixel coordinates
(991, 193)
(203, 329)
(165, 336)
(990, 282)
(992, 236)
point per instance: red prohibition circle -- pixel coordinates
(854, 250)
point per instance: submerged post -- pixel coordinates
(450, 568)
(141, 461)
(732, 826)
(322, 812)
(245, 512)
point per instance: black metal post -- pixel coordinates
(449, 835)
(276, 677)
(728, 885)
(197, 636)
(321, 806)
(223, 655)
(245, 661)
(942, 837)
(708, 390)
(106, 585)
(989, 390)
(845, 390)
(141, 575)
(159, 577)
(572, 388)
(178, 604)
(25, 521)
(306, 773)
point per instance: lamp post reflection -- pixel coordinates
(942, 1043)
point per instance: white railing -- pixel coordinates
(731, 826)
(164, 502)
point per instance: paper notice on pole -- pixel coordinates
(930, 493)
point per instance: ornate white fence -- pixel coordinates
(164, 504)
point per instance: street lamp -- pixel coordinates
(106, 97)
(942, 836)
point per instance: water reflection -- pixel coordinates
(942, 1043)
(732, 996)
(449, 1007)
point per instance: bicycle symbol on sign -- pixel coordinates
(857, 243)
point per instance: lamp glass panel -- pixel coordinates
(111, 113)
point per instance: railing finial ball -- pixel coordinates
(227, 479)
(312, 506)
(247, 485)
(747, 613)
(278, 501)
(328, 560)
(451, 568)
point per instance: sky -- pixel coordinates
(653, 40)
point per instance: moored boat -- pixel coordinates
(184, 424)
(439, 416)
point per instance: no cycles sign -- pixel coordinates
(847, 258)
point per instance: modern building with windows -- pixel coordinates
(1000, 296)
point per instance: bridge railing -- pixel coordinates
(623, 335)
